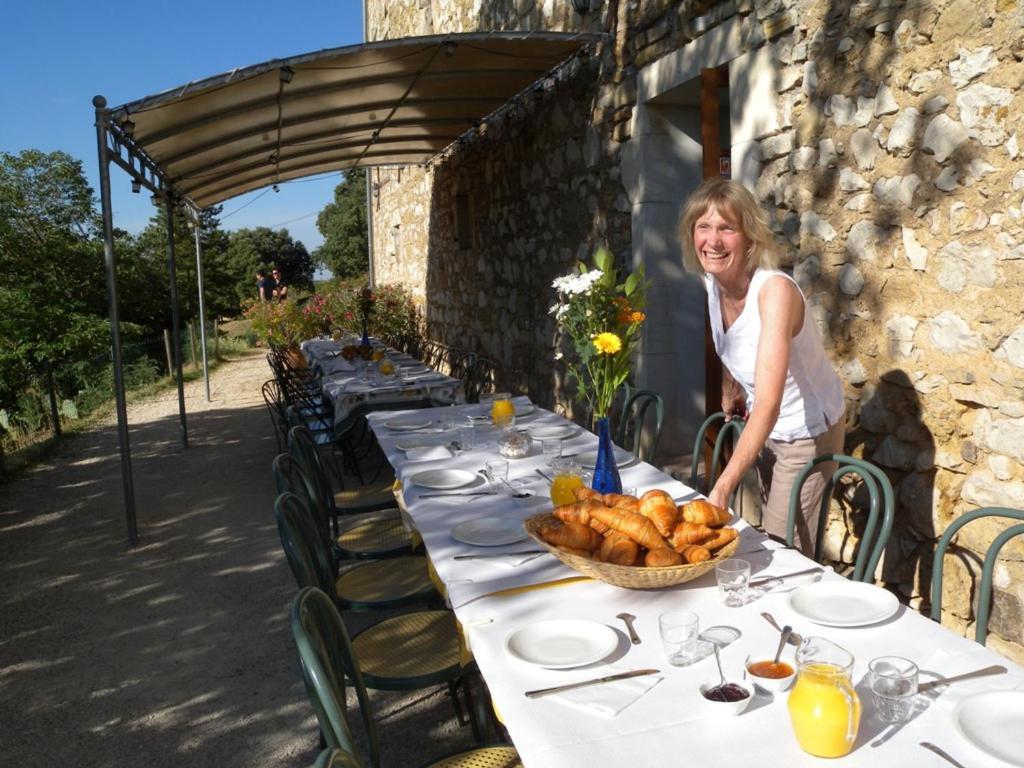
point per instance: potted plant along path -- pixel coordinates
(600, 318)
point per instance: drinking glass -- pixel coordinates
(551, 446)
(447, 419)
(503, 411)
(679, 630)
(733, 577)
(893, 682)
(497, 469)
(467, 438)
(566, 478)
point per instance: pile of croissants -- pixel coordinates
(651, 531)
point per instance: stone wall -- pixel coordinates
(892, 171)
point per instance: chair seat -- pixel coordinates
(385, 583)
(373, 495)
(374, 535)
(485, 757)
(410, 651)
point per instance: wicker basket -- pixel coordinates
(630, 577)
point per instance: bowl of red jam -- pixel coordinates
(729, 698)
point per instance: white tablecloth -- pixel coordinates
(667, 726)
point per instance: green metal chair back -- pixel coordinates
(337, 758)
(633, 419)
(325, 651)
(316, 472)
(873, 542)
(304, 546)
(730, 429)
(985, 592)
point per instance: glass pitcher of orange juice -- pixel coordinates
(566, 478)
(502, 409)
(823, 706)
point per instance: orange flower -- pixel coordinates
(637, 317)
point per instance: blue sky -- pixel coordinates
(61, 53)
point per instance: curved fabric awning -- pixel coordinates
(394, 102)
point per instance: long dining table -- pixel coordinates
(657, 720)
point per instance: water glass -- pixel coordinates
(679, 630)
(733, 578)
(551, 446)
(497, 469)
(447, 419)
(467, 438)
(893, 682)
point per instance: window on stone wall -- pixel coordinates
(396, 241)
(463, 223)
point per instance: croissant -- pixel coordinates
(722, 537)
(578, 552)
(689, 533)
(657, 558)
(621, 501)
(574, 535)
(662, 512)
(619, 549)
(580, 513)
(695, 553)
(637, 527)
(586, 494)
(657, 493)
(701, 511)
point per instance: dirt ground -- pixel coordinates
(177, 652)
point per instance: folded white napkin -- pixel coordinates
(359, 386)
(608, 699)
(337, 365)
(428, 453)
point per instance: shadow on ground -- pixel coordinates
(177, 652)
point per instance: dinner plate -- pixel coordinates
(991, 722)
(551, 432)
(408, 424)
(562, 643)
(359, 386)
(524, 410)
(432, 376)
(623, 457)
(444, 479)
(421, 441)
(489, 531)
(843, 603)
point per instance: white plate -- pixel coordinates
(444, 479)
(413, 442)
(432, 376)
(359, 386)
(524, 410)
(843, 603)
(489, 531)
(408, 424)
(992, 722)
(562, 643)
(551, 432)
(622, 457)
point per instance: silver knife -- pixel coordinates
(500, 554)
(997, 669)
(458, 493)
(596, 681)
(784, 576)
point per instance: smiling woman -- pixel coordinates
(776, 374)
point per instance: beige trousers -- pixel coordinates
(777, 467)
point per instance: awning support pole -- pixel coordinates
(175, 319)
(127, 484)
(197, 224)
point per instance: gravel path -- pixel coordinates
(177, 652)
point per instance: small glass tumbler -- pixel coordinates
(733, 578)
(893, 682)
(551, 446)
(497, 469)
(447, 419)
(679, 630)
(467, 438)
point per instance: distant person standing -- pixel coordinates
(280, 286)
(266, 289)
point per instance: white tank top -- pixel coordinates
(812, 399)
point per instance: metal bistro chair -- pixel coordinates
(633, 420)
(379, 584)
(328, 655)
(872, 543)
(336, 758)
(729, 430)
(276, 408)
(985, 591)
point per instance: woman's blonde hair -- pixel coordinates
(737, 205)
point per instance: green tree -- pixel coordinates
(343, 224)
(265, 248)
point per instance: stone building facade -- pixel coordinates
(882, 137)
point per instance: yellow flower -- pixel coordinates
(607, 343)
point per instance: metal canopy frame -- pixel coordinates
(389, 103)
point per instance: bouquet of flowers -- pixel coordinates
(601, 317)
(366, 304)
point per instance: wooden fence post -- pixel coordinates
(54, 414)
(167, 348)
(216, 340)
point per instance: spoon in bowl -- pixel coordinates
(786, 632)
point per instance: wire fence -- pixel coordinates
(62, 394)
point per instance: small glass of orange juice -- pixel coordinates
(566, 478)
(824, 707)
(502, 409)
(387, 368)
(378, 354)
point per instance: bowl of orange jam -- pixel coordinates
(771, 676)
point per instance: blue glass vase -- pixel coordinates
(366, 337)
(606, 473)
